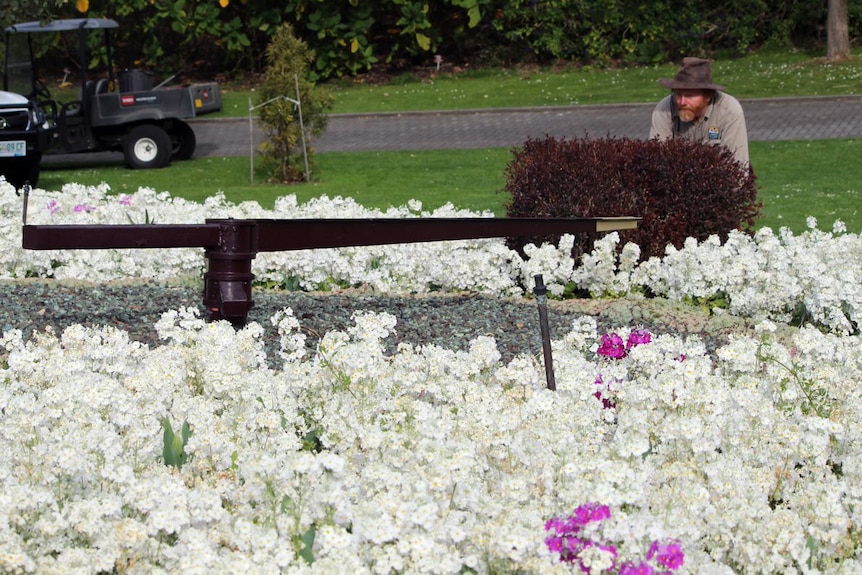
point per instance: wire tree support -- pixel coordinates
(298, 105)
(230, 245)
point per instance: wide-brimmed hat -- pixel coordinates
(695, 74)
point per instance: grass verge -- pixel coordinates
(763, 74)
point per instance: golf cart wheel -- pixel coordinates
(147, 147)
(184, 142)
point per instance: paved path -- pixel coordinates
(811, 118)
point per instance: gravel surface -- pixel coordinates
(451, 321)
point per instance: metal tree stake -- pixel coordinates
(542, 300)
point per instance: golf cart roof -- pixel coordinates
(65, 25)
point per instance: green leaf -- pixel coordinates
(168, 441)
(311, 441)
(474, 15)
(812, 549)
(423, 41)
(286, 504)
(307, 552)
(186, 433)
(177, 450)
(173, 449)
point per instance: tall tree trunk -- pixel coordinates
(837, 32)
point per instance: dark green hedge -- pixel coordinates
(350, 36)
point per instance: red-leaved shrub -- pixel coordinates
(680, 188)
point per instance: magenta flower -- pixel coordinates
(565, 540)
(586, 513)
(554, 544)
(53, 207)
(84, 208)
(663, 557)
(567, 547)
(638, 337)
(668, 555)
(561, 526)
(589, 512)
(612, 346)
(126, 200)
(630, 568)
(606, 403)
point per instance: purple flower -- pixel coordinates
(126, 200)
(562, 526)
(567, 547)
(606, 403)
(53, 207)
(612, 346)
(630, 568)
(667, 554)
(638, 337)
(663, 558)
(84, 208)
(554, 544)
(589, 512)
(565, 540)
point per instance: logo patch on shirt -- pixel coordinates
(714, 133)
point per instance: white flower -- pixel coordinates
(596, 559)
(429, 460)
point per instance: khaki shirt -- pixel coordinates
(723, 123)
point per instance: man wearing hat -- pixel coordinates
(699, 110)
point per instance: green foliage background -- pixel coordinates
(211, 37)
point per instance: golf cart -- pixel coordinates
(111, 111)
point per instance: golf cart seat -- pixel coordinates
(74, 134)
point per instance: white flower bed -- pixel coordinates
(816, 275)
(431, 460)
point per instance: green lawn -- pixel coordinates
(820, 178)
(760, 75)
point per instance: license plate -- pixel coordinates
(13, 148)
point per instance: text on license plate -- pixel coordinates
(13, 148)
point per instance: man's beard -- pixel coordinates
(686, 115)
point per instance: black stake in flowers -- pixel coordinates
(26, 189)
(542, 300)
